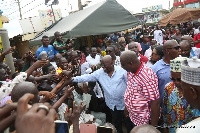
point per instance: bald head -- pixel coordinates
(43, 55)
(171, 50)
(107, 58)
(144, 129)
(129, 61)
(129, 56)
(186, 37)
(22, 88)
(107, 64)
(170, 43)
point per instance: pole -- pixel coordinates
(6, 46)
(20, 12)
(53, 13)
(80, 6)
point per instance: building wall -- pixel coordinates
(186, 4)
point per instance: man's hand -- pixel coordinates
(126, 112)
(36, 119)
(69, 90)
(40, 63)
(10, 50)
(52, 77)
(73, 115)
(65, 73)
(48, 94)
(6, 117)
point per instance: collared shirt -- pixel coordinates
(142, 88)
(50, 51)
(113, 87)
(5, 90)
(93, 61)
(162, 70)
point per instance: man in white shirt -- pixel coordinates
(158, 34)
(93, 58)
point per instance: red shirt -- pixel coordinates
(196, 37)
(142, 87)
(143, 59)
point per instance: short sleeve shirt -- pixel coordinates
(142, 88)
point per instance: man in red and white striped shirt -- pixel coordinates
(142, 98)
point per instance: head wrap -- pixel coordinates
(175, 64)
(190, 71)
(99, 40)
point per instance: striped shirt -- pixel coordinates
(142, 88)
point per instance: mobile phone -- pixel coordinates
(88, 128)
(61, 127)
(103, 129)
(70, 103)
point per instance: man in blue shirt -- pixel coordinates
(113, 80)
(46, 47)
(171, 50)
(145, 44)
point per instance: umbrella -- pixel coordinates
(4, 19)
(180, 15)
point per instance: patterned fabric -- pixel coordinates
(176, 111)
(175, 64)
(83, 58)
(56, 43)
(142, 87)
(76, 69)
(6, 89)
(190, 71)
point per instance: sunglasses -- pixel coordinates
(108, 51)
(176, 48)
(175, 79)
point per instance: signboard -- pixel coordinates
(152, 8)
(152, 17)
(31, 25)
(47, 17)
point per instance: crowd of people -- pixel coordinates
(148, 79)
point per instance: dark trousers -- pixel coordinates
(117, 116)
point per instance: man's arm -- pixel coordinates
(155, 111)
(93, 77)
(10, 50)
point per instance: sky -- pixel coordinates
(30, 8)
